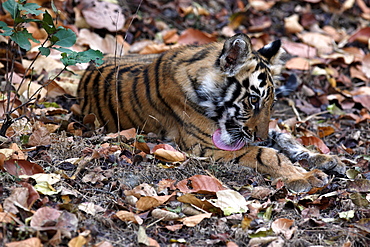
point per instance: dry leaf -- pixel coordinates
(292, 25)
(5, 217)
(194, 36)
(362, 35)
(298, 63)
(323, 43)
(22, 167)
(174, 228)
(40, 137)
(164, 214)
(129, 217)
(202, 204)
(317, 142)
(31, 242)
(169, 156)
(45, 216)
(141, 190)
(148, 202)
(325, 131)
(102, 14)
(200, 184)
(283, 226)
(18, 197)
(299, 49)
(192, 221)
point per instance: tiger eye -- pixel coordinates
(254, 99)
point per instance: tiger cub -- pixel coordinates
(213, 100)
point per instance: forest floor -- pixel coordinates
(89, 188)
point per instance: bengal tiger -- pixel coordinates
(212, 100)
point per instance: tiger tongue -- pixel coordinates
(222, 145)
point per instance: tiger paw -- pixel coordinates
(308, 180)
(327, 163)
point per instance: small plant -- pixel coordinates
(59, 38)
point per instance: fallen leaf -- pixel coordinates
(298, 63)
(148, 202)
(194, 36)
(174, 228)
(164, 214)
(317, 142)
(358, 185)
(323, 131)
(323, 43)
(200, 184)
(292, 25)
(45, 216)
(40, 137)
(22, 167)
(78, 241)
(230, 202)
(168, 155)
(18, 197)
(362, 35)
(5, 217)
(284, 226)
(192, 221)
(299, 49)
(141, 191)
(96, 12)
(31, 242)
(199, 203)
(129, 217)
(90, 208)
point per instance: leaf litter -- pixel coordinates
(64, 182)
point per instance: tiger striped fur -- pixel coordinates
(213, 100)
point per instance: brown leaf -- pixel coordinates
(164, 214)
(40, 137)
(298, 63)
(299, 49)
(129, 134)
(194, 36)
(194, 220)
(129, 217)
(358, 185)
(323, 43)
(366, 65)
(168, 155)
(325, 131)
(202, 204)
(18, 198)
(45, 216)
(141, 190)
(283, 226)
(200, 184)
(292, 25)
(148, 202)
(317, 142)
(361, 35)
(22, 167)
(96, 14)
(174, 228)
(5, 217)
(31, 242)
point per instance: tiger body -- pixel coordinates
(213, 100)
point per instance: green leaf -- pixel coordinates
(12, 7)
(44, 51)
(22, 37)
(48, 24)
(54, 8)
(31, 8)
(72, 58)
(7, 30)
(66, 37)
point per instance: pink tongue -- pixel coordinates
(221, 145)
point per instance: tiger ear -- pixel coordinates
(234, 54)
(272, 52)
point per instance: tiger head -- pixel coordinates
(242, 103)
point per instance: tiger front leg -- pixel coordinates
(295, 151)
(277, 165)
